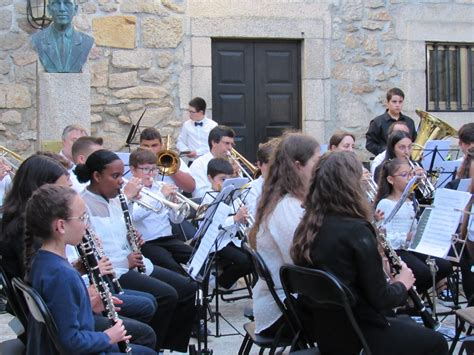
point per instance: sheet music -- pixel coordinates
(208, 240)
(464, 185)
(442, 223)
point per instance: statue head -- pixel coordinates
(62, 11)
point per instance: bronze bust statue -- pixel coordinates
(62, 49)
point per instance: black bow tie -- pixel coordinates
(198, 124)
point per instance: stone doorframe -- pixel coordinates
(196, 79)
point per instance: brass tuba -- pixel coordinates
(430, 127)
(167, 160)
(9, 160)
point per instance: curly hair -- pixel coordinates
(335, 189)
(283, 178)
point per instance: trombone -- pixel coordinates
(235, 156)
(9, 161)
(167, 160)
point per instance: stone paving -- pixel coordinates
(226, 343)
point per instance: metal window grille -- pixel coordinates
(450, 74)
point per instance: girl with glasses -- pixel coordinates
(395, 175)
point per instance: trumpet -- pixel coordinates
(424, 186)
(180, 210)
(235, 156)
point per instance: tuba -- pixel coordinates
(167, 160)
(9, 161)
(430, 127)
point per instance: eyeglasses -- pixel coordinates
(148, 170)
(405, 174)
(83, 218)
(192, 112)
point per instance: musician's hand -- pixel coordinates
(117, 333)
(169, 190)
(241, 215)
(419, 171)
(140, 239)
(132, 188)
(117, 301)
(192, 154)
(79, 266)
(405, 276)
(105, 266)
(96, 302)
(135, 259)
(379, 215)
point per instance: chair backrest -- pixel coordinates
(13, 299)
(38, 310)
(265, 275)
(321, 290)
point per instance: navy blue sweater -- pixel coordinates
(65, 294)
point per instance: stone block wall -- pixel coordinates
(156, 55)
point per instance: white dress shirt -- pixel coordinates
(150, 224)
(5, 184)
(109, 224)
(195, 138)
(199, 173)
(377, 161)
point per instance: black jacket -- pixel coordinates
(347, 248)
(376, 136)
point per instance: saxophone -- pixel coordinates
(131, 230)
(91, 239)
(396, 265)
(86, 250)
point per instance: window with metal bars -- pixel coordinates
(450, 76)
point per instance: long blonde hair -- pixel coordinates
(283, 178)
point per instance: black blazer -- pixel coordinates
(347, 248)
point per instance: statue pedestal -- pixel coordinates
(62, 99)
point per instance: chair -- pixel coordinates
(463, 316)
(323, 291)
(250, 336)
(38, 310)
(13, 300)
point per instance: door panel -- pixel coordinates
(256, 89)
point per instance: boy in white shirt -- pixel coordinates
(234, 261)
(194, 133)
(161, 246)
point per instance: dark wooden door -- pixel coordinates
(256, 89)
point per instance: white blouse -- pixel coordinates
(108, 222)
(403, 222)
(274, 239)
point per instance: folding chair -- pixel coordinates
(250, 336)
(322, 291)
(38, 310)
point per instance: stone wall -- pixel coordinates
(156, 54)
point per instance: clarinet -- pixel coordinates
(131, 231)
(396, 264)
(91, 238)
(86, 250)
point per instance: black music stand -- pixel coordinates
(437, 155)
(134, 129)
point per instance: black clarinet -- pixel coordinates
(396, 265)
(89, 259)
(113, 282)
(131, 230)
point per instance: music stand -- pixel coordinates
(434, 160)
(133, 132)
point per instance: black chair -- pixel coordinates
(322, 291)
(250, 336)
(12, 299)
(38, 310)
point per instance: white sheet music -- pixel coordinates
(442, 222)
(209, 239)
